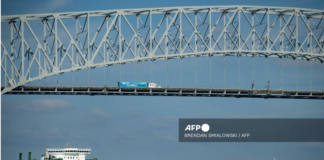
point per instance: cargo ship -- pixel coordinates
(66, 153)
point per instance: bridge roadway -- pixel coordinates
(194, 92)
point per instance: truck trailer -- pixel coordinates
(138, 85)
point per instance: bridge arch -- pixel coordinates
(149, 34)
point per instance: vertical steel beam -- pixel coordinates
(239, 32)
(281, 34)
(196, 32)
(296, 34)
(210, 48)
(181, 35)
(253, 34)
(5, 70)
(55, 38)
(225, 49)
(22, 50)
(224, 33)
(12, 47)
(137, 31)
(166, 45)
(76, 39)
(268, 31)
(210, 31)
(239, 60)
(39, 60)
(120, 36)
(151, 38)
(45, 44)
(88, 21)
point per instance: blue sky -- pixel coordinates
(147, 127)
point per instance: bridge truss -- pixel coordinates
(42, 45)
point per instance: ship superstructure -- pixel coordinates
(66, 153)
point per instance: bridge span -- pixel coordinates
(37, 46)
(192, 92)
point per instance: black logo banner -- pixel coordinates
(251, 130)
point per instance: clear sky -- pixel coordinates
(145, 128)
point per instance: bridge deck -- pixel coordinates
(238, 93)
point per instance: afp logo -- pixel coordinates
(205, 127)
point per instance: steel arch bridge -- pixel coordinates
(42, 45)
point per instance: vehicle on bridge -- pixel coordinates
(138, 85)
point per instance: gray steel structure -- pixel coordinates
(256, 31)
(195, 92)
